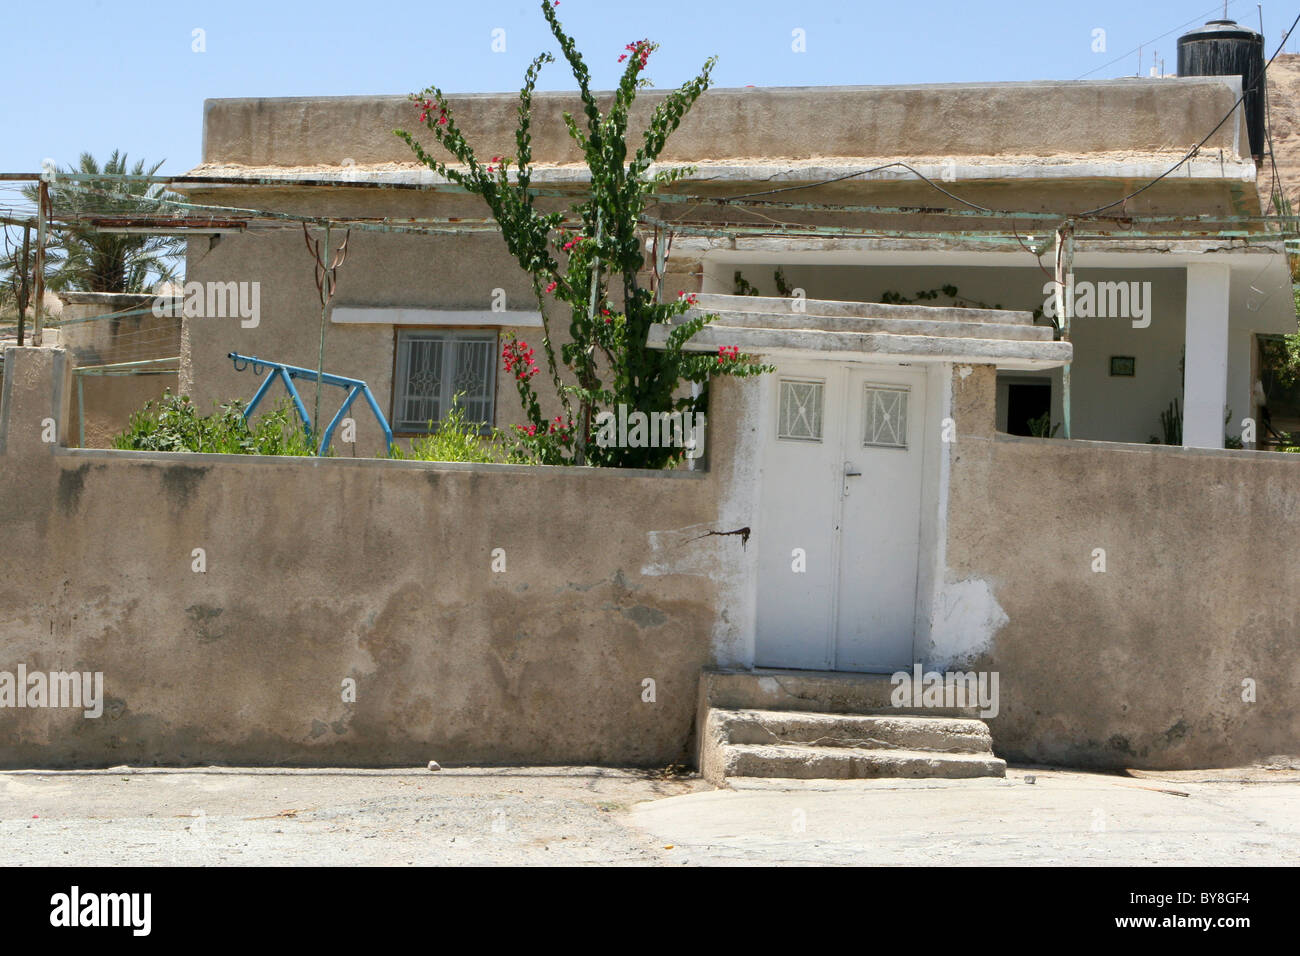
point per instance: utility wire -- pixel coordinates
(1263, 80)
(1201, 18)
(863, 172)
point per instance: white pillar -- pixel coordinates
(1205, 372)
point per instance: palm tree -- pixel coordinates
(84, 259)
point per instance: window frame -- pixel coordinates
(905, 393)
(821, 384)
(449, 334)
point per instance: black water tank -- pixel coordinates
(1223, 48)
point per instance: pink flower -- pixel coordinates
(551, 287)
(641, 50)
(518, 358)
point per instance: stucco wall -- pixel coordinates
(1141, 665)
(1047, 118)
(317, 571)
(449, 272)
(321, 570)
(380, 270)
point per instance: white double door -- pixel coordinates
(840, 521)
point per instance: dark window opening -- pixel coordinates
(1026, 403)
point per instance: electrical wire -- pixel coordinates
(1263, 81)
(1210, 12)
(864, 172)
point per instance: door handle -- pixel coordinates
(849, 472)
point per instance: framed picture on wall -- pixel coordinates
(1123, 365)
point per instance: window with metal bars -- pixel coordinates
(800, 413)
(885, 416)
(433, 366)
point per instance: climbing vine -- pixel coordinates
(588, 263)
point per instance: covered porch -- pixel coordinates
(1166, 333)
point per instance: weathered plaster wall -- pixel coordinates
(451, 272)
(1142, 665)
(381, 571)
(1047, 118)
(320, 570)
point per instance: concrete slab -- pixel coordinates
(1062, 818)
(597, 816)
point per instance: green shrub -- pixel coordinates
(456, 439)
(173, 423)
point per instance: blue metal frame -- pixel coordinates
(287, 373)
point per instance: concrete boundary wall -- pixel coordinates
(227, 600)
(1144, 664)
(318, 571)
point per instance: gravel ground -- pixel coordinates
(588, 815)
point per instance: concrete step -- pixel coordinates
(712, 302)
(825, 692)
(727, 318)
(866, 732)
(845, 763)
(804, 744)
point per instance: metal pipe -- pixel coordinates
(1065, 305)
(38, 311)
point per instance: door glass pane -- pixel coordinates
(800, 411)
(885, 417)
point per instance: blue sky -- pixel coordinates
(99, 75)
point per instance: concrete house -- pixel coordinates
(870, 507)
(1166, 301)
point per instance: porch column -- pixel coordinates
(1205, 372)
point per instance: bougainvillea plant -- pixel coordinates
(585, 261)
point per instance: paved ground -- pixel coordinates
(576, 815)
(328, 817)
(1208, 819)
